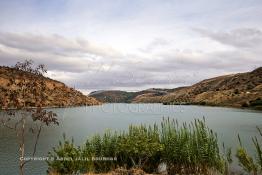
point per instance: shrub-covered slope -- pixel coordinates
(238, 90)
(57, 93)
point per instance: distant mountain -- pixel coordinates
(112, 96)
(58, 94)
(238, 90)
(116, 96)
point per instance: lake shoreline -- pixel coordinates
(258, 108)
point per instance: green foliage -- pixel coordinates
(245, 160)
(248, 163)
(98, 147)
(190, 148)
(65, 157)
(140, 147)
(228, 157)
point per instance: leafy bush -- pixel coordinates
(190, 148)
(65, 158)
(140, 147)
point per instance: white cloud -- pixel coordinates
(133, 44)
(73, 63)
(55, 44)
(249, 38)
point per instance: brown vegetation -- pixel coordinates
(236, 90)
(57, 93)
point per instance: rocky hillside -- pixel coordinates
(238, 90)
(57, 93)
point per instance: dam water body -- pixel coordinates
(81, 122)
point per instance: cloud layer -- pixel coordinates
(136, 45)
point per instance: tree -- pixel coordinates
(24, 100)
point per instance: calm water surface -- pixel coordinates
(81, 122)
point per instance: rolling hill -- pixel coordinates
(236, 90)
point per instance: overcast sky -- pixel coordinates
(132, 44)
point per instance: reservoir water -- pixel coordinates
(81, 122)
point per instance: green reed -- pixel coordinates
(252, 165)
(185, 149)
(190, 148)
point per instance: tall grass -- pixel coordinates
(185, 149)
(140, 147)
(190, 148)
(65, 158)
(251, 164)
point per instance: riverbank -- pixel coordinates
(253, 105)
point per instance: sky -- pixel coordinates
(132, 44)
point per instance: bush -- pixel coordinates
(98, 147)
(245, 104)
(189, 148)
(140, 147)
(257, 102)
(65, 158)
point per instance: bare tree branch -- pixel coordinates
(30, 85)
(36, 142)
